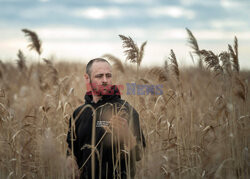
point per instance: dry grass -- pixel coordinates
(198, 128)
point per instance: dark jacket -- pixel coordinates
(109, 154)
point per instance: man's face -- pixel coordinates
(101, 77)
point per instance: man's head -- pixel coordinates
(98, 75)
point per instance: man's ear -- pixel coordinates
(87, 82)
(87, 78)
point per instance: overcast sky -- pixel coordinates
(85, 29)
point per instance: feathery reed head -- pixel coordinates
(211, 60)
(193, 42)
(35, 41)
(117, 62)
(21, 60)
(241, 88)
(226, 63)
(174, 64)
(134, 55)
(194, 45)
(52, 73)
(141, 54)
(234, 55)
(236, 46)
(132, 49)
(158, 72)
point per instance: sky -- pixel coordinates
(84, 29)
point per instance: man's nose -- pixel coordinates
(104, 80)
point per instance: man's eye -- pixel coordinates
(109, 76)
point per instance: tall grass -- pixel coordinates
(198, 128)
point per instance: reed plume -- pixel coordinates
(158, 72)
(35, 42)
(174, 64)
(134, 55)
(226, 64)
(241, 89)
(166, 68)
(234, 55)
(21, 60)
(132, 51)
(211, 60)
(52, 73)
(194, 45)
(141, 54)
(117, 62)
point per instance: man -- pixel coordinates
(104, 136)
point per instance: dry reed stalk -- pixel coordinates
(166, 68)
(134, 55)
(2, 67)
(178, 110)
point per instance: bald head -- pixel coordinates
(91, 62)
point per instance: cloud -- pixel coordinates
(44, 0)
(119, 12)
(198, 2)
(228, 4)
(66, 33)
(91, 34)
(210, 35)
(95, 34)
(220, 29)
(228, 23)
(87, 43)
(170, 34)
(46, 12)
(171, 11)
(99, 13)
(63, 33)
(131, 1)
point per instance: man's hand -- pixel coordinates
(122, 130)
(71, 167)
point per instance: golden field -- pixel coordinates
(198, 128)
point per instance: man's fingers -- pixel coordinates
(118, 125)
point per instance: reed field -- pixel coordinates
(197, 128)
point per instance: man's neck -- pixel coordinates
(96, 98)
